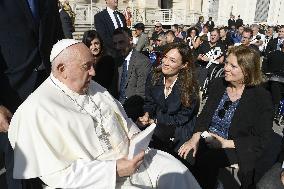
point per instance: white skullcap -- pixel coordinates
(60, 46)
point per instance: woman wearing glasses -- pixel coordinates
(238, 119)
(172, 99)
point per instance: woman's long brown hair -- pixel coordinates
(187, 78)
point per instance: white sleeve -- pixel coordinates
(84, 174)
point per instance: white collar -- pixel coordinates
(110, 10)
(65, 89)
(129, 55)
(171, 84)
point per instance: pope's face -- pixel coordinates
(80, 70)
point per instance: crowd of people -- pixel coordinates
(69, 108)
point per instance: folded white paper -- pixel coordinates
(141, 141)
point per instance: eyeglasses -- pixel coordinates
(158, 26)
(158, 40)
(222, 112)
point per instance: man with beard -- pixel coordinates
(133, 68)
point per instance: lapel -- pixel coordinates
(246, 98)
(28, 14)
(131, 65)
(44, 9)
(109, 23)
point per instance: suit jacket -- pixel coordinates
(211, 26)
(138, 69)
(239, 22)
(24, 45)
(173, 119)
(271, 46)
(67, 25)
(142, 43)
(251, 125)
(231, 23)
(105, 26)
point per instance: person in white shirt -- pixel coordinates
(71, 133)
(257, 38)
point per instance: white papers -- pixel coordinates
(141, 141)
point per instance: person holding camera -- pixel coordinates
(257, 38)
(238, 118)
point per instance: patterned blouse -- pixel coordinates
(222, 118)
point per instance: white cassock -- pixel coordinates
(73, 141)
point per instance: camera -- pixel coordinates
(258, 37)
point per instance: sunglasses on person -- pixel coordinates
(222, 112)
(158, 26)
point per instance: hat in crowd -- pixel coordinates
(60, 46)
(139, 26)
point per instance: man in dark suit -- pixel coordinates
(66, 21)
(210, 23)
(231, 22)
(133, 68)
(239, 22)
(107, 21)
(274, 44)
(28, 29)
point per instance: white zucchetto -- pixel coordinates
(60, 46)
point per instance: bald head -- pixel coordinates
(70, 54)
(74, 67)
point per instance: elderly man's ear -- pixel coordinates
(61, 70)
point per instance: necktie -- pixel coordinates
(34, 9)
(115, 13)
(122, 95)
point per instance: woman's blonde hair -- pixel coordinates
(249, 61)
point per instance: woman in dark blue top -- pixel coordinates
(238, 116)
(172, 99)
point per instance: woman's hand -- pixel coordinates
(219, 142)
(282, 177)
(144, 120)
(191, 144)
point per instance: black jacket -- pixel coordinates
(251, 125)
(174, 119)
(105, 27)
(24, 45)
(67, 24)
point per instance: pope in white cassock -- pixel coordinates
(71, 133)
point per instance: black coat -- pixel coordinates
(24, 46)
(67, 24)
(251, 125)
(173, 119)
(271, 46)
(105, 27)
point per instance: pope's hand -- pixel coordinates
(5, 117)
(125, 167)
